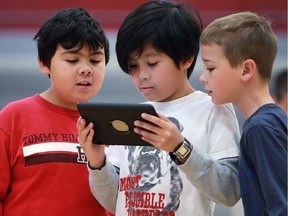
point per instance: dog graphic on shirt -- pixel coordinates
(156, 169)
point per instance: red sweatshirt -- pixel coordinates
(42, 167)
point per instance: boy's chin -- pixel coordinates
(83, 99)
(151, 99)
(217, 101)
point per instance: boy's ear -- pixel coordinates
(249, 69)
(187, 63)
(44, 69)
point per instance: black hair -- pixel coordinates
(170, 27)
(71, 27)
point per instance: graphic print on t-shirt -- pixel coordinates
(52, 147)
(150, 169)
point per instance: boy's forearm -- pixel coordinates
(216, 179)
(104, 185)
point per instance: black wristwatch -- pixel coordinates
(181, 152)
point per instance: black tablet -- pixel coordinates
(114, 122)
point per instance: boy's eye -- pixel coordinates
(152, 64)
(95, 61)
(72, 60)
(210, 69)
(132, 66)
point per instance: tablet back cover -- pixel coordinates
(114, 123)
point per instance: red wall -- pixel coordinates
(23, 14)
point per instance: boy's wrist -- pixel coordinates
(93, 166)
(181, 152)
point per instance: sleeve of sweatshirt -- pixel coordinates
(216, 179)
(104, 185)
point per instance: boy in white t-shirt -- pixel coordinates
(193, 162)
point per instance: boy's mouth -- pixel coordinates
(146, 89)
(84, 83)
(208, 91)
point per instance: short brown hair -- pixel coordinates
(244, 36)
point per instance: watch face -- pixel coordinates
(182, 151)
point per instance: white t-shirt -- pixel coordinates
(151, 183)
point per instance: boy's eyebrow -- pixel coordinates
(146, 55)
(153, 54)
(97, 52)
(207, 60)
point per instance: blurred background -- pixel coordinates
(20, 20)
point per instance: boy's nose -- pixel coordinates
(143, 74)
(202, 78)
(86, 70)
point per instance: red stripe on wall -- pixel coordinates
(32, 13)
